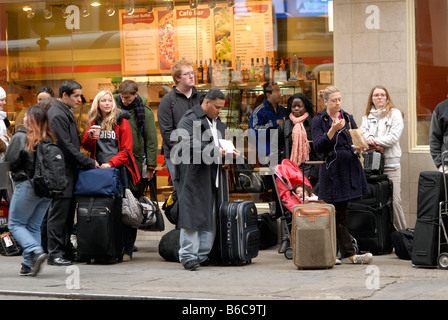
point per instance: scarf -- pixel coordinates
(300, 150)
(139, 107)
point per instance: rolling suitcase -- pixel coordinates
(239, 234)
(313, 235)
(99, 228)
(430, 194)
(370, 220)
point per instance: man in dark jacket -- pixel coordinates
(173, 105)
(62, 210)
(438, 135)
(197, 159)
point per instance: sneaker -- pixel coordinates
(38, 258)
(191, 265)
(338, 262)
(362, 258)
(126, 257)
(25, 271)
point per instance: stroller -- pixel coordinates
(288, 177)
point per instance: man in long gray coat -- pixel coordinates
(198, 159)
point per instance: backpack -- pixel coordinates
(49, 177)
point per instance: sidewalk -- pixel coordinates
(270, 277)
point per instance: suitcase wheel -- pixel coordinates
(442, 260)
(288, 253)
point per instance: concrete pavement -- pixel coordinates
(269, 277)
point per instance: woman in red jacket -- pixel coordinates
(113, 146)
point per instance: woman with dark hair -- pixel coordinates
(295, 143)
(44, 92)
(27, 210)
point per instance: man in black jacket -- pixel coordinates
(438, 135)
(173, 105)
(62, 210)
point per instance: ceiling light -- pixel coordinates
(170, 5)
(130, 8)
(193, 4)
(149, 7)
(27, 8)
(212, 4)
(48, 13)
(95, 4)
(110, 11)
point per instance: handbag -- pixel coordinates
(358, 138)
(171, 207)
(138, 213)
(99, 182)
(159, 224)
(131, 210)
(8, 245)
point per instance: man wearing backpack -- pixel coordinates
(62, 209)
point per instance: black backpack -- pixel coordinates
(49, 177)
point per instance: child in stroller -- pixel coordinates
(293, 188)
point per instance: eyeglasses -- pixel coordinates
(191, 73)
(379, 95)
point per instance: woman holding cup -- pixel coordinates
(108, 137)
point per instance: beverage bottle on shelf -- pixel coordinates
(244, 74)
(205, 72)
(210, 72)
(252, 71)
(294, 67)
(257, 70)
(200, 72)
(261, 71)
(195, 70)
(302, 70)
(267, 70)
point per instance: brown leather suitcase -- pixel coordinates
(313, 235)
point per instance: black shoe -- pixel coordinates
(191, 265)
(25, 271)
(38, 259)
(59, 262)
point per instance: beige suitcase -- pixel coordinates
(313, 235)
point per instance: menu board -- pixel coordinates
(253, 30)
(139, 55)
(152, 42)
(194, 30)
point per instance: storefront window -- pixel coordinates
(431, 24)
(99, 43)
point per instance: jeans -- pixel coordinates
(394, 174)
(196, 245)
(26, 213)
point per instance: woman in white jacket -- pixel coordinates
(382, 126)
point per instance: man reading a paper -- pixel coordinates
(202, 186)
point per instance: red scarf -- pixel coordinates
(300, 146)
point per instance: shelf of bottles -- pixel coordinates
(243, 84)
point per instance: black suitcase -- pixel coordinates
(99, 228)
(426, 231)
(370, 220)
(239, 233)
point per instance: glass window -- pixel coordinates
(431, 24)
(98, 43)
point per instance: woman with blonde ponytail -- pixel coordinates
(341, 177)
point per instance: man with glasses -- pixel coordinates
(173, 105)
